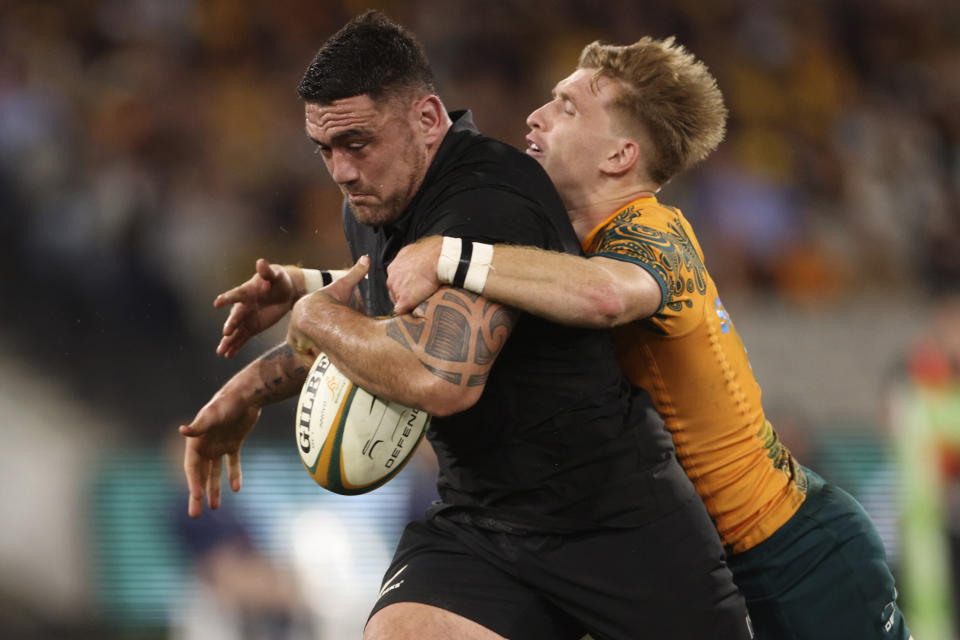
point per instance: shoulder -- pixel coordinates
(659, 239)
(480, 161)
(487, 190)
(644, 228)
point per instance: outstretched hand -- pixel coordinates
(258, 304)
(412, 275)
(218, 430)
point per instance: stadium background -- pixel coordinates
(151, 150)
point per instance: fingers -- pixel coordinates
(196, 470)
(400, 294)
(357, 272)
(402, 306)
(224, 347)
(236, 331)
(248, 289)
(237, 315)
(213, 482)
(409, 295)
(233, 471)
(300, 342)
(342, 288)
(266, 270)
(231, 296)
(196, 428)
(230, 344)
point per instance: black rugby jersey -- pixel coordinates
(559, 440)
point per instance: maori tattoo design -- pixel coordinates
(455, 334)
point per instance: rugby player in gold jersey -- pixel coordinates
(804, 553)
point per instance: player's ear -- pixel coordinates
(430, 117)
(622, 157)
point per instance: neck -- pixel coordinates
(430, 153)
(590, 209)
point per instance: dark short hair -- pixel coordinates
(370, 55)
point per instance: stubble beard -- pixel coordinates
(392, 209)
(373, 216)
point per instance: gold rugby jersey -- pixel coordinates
(689, 357)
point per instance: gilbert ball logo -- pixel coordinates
(310, 389)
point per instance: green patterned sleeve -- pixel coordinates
(667, 254)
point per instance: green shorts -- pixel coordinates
(823, 575)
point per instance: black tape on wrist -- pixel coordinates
(466, 252)
(326, 277)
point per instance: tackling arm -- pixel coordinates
(567, 289)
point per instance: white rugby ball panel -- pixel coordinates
(351, 441)
(320, 400)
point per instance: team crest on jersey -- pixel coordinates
(670, 254)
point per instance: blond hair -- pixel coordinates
(667, 91)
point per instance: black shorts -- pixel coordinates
(666, 579)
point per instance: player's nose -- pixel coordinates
(536, 120)
(343, 170)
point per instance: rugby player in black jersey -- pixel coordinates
(563, 508)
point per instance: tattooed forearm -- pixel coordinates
(457, 337)
(280, 372)
(283, 350)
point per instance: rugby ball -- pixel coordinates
(350, 440)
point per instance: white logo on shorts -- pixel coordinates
(888, 624)
(387, 587)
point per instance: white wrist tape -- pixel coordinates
(449, 259)
(479, 267)
(464, 264)
(316, 279)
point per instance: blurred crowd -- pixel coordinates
(151, 150)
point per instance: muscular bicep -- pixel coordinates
(456, 335)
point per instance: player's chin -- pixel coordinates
(374, 215)
(536, 155)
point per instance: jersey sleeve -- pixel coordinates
(668, 251)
